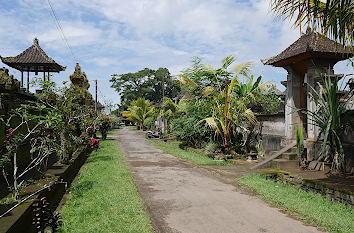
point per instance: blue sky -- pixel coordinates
(119, 36)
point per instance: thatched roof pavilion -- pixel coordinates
(307, 61)
(33, 59)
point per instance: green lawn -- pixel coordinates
(310, 207)
(172, 147)
(104, 198)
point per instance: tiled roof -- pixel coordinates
(311, 42)
(33, 59)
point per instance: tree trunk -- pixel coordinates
(64, 145)
(16, 193)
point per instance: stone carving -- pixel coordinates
(79, 78)
(80, 86)
(8, 82)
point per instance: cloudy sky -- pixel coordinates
(119, 36)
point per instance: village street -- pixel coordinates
(181, 197)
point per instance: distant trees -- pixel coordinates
(145, 83)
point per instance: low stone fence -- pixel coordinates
(331, 193)
(20, 219)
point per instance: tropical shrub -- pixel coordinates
(186, 128)
(332, 117)
(228, 97)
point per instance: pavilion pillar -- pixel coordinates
(21, 79)
(292, 102)
(48, 76)
(27, 81)
(44, 76)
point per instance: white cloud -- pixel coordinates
(117, 36)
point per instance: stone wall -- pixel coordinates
(327, 191)
(273, 131)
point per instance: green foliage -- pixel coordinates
(33, 124)
(267, 99)
(104, 198)
(145, 83)
(227, 95)
(299, 141)
(149, 122)
(211, 148)
(311, 207)
(75, 106)
(332, 118)
(138, 111)
(185, 126)
(332, 17)
(61, 120)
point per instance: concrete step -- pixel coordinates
(293, 150)
(288, 156)
(284, 163)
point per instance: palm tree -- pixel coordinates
(334, 18)
(172, 109)
(332, 118)
(138, 111)
(229, 99)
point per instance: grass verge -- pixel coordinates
(104, 198)
(172, 147)
(310, 207)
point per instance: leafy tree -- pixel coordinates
(332, 17)
(145, 83)
(139, 111)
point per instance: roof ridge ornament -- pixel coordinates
(308, 30)
(35, 41)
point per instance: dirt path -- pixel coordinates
(181, 197)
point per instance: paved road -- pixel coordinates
(181, 197)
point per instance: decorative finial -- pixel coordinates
(308, 31)
(35, 41)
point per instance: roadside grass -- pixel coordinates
(109, 133)
(172, 147)
(104, 198)
(311, 207)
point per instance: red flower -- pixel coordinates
(94, 143)
(10, 130)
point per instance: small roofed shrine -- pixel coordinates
(33, 59)
(307, 61)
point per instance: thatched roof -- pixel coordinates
(310, 44)
(33, 59)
